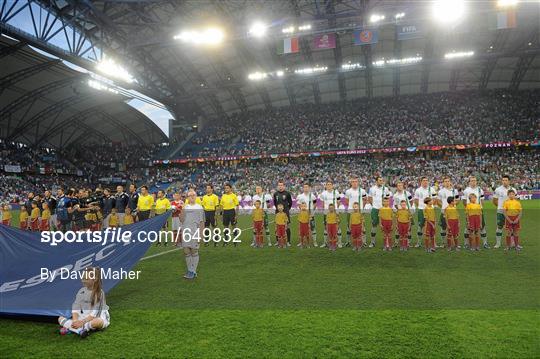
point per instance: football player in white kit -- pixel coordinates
(479, 193)
(192, 219)
(330, 196)
(352, 195)
(442, 199)
(403, 195)
(499, 197)
(310, 199)
(248, 201)
(421, 193)
(266, 199)
(240, 197)
(375, 197)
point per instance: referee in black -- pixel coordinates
(281, 196)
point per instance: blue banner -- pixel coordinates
(366, 37)
(408, 32)
(24, 258)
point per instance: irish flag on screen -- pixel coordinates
(288, 46)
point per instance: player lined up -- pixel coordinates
(383, 206)
(397, 220)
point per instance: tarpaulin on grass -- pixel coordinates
(26, 265)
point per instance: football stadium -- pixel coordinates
(270, 178)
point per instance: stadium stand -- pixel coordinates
(435, 119)
(488, 165)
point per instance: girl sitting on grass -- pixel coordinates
(89, 311)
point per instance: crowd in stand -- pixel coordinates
(41, 168)
(31, 158)
(439, 118)
(487, 165)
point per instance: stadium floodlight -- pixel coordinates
(280, 73)
(304, 27)
(310, 70)
(288, 30)
(457, 55)
(379, 63)
(110, 68)
(448, 11)
(404, 61)
(256, 76)
(376, 18)
(210, 36)
(101, 86)
(257, 29)
(352, 66)
(399, 15)
(507, 3)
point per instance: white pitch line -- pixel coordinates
(161, 253)
(176, 249)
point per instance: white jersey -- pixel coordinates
(444, 193)
(501, 193)
(329, 198)
(309, 199)
(356, 195)
(194, 215)
(247, 199)
(265, 199)
(422, 193)
(83, 304)
(403, 196)
(377, 193)
(479, 192)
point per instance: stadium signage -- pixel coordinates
(359, 151)
(12, 168)
(407, 32)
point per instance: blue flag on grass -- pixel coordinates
(24, 257)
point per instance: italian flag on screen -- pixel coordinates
(288, 46)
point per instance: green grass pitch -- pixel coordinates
(310, 302)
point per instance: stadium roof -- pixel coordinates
(214, 81)
(45, 102)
